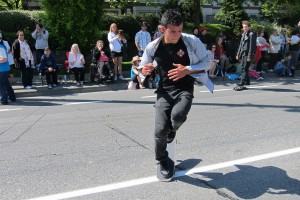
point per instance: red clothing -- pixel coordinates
(258, 53)
(219, 51)
(103, 57)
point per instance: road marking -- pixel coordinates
(151, 179)
(251, 87)
(152, 96)
(86, 102)
(11, 109)
(220, 90)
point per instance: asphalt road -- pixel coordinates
(234, 145)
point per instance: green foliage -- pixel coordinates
(130, 24)
(14, 20)
(70, 22)
(10, 4)
(232, 14)
(212, 30)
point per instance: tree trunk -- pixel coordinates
(196, 14)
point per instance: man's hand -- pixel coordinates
(179, 72)
(147, 69)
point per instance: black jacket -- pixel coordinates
(247, 45)
(96, 54)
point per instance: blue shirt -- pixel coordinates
(4, 67)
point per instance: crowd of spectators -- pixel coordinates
(278, 52)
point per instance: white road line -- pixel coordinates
(151, 179)
(145, 97)
(11, 109)
(86, 102)
(219, 90)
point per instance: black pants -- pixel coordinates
(78, 73)
(274, 57)
(261, 61)
(171, 110)
(27, 76)
(51, 77)
(245, 80)
(6, 91)
(39, 53)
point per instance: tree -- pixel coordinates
(72, 21)
(232, 14)
(280, 11)
(192, 10)
(10, 4)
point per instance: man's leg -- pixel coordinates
(163, 108)
(180, 110)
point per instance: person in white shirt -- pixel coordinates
(115, 40)
(76, 63)
(142, 38)
(295, 48)
(275, 42)
(41, 35)
(284, 42)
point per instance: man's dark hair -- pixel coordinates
(172, 17)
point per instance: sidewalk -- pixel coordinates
(65, 88)
(71, 88)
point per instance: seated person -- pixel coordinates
(49, 68)
(76, 64)
(134, 74)
(102, 59)
(281, 68)
(213, 61)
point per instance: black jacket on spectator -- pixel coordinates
(97, 53)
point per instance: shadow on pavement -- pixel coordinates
(247, 182)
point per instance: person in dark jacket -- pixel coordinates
(103, 61)
(24, 59)
(202, 36)
(49, 68)
(246, 52)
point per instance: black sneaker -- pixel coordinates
(163, 167)
(171, 136)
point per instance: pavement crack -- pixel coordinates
(15, 140)
(219, 191)
(126, 136)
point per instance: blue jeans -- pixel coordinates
(6, 90)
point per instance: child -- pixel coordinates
(281, 69)
(255, 74)
(134, 74)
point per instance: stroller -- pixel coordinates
(101, 71)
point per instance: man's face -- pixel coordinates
(245, 28)
(172, 33)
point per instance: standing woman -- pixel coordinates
(6, 90)
(115, 46)
(262, 47)
(24, 59)
(10, 58)
(274, 50)
(76, 62)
